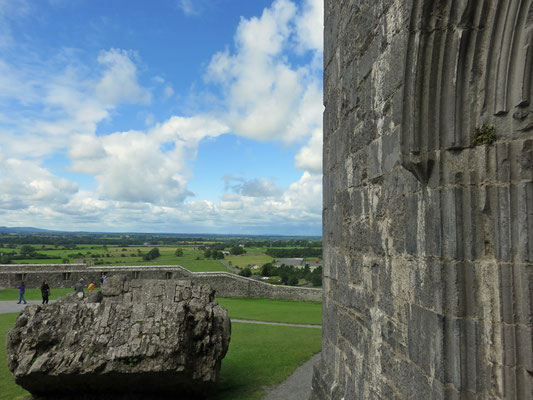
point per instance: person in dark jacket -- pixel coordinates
(45, 291)
(78, 288)
(22, 290)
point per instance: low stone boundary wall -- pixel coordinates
(225, 283)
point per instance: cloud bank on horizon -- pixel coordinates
(123, 123)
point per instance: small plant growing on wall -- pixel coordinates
(484, 135)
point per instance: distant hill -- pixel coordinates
(31, 230)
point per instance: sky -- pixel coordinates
(171, 116)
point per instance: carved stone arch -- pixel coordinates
(428, 282)
(468, 62)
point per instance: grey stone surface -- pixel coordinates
(428, 239)
(142, 340)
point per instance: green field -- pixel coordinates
(192, 259)
(9, 389)
(39, 261)
(273, 310)
(259, 356)
(256, 249)
(245, 260)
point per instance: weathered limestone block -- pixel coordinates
(141, 339)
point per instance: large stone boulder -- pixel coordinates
(138, 339)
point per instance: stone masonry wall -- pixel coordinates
(225, 284)
(428, 239)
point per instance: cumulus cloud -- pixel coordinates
(309, 25)
(266, 97)
(301, 203)
(118, 83)
(26, 184)
(309, 157)
(138, 166)
(69, 102)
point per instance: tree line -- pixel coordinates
(294, 252)
(289, 274)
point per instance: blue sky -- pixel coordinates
(184, 116)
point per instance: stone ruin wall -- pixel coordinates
(225, 284)
(428, 240)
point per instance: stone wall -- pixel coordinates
(428, 274)
(225, 284)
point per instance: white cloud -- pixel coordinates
(67, 102)
(86, 147)
(133, 166)
(302, 202)
(24, 184)
(118, 85)
(310, 26)
(266, 35)
(266, 96)
(310, 156)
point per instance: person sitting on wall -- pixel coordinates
(45, 291)
(22, 290)
(78, 288)
(91, 286)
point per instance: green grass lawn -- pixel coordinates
(263, 356)
(9, 390)
(259, 357)
(32, 294)
(293, 312)
(245, 260)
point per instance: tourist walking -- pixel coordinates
(45, 291)
(22, 290)
(91, 286)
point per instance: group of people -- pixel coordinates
(45, 289)
(79, 287)
(45, 292)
